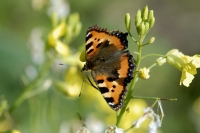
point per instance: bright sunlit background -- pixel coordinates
(52, 105)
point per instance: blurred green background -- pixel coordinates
(51, 110)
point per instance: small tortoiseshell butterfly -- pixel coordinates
(111, 65)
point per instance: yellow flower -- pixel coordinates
(186, 64)
(144, 73)
(72, 85)
(62, 48)
(56, 33)
(54, 39)
(186, 78)
(196, 61)
(175, 58)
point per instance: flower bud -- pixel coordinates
(151, 22)
(151, 40)
(138, 22)
(145, 13)
(160, 61)
(128, 21)
(138, 18)
(141, 29)
(146, 26)
(138, 15)
(151, 15)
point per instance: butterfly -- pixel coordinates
(111, 66)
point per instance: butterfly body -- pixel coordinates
(111, 65)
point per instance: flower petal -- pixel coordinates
(186, 78)
(62, 48)
(144, 73)
(196, 61)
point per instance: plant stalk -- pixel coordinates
(131, 88)
(32, 85)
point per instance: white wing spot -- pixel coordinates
(115, 83)
(106, 94)
(88, 34)
(102, 84)
(111, 103)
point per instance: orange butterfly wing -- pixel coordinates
(111, 66)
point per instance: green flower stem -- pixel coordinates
(131, 127)
(34, 83)
(145, 44)
(133, 37)
(154, 98)
(153, 55)
(131, 88)
(153, 65)
(154, 103)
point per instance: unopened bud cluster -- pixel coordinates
(144, 21)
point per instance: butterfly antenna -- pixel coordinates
(83, 83)
(67, 65)
(91, 83)
(61, 64)
(85, 75)
(80, 118)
